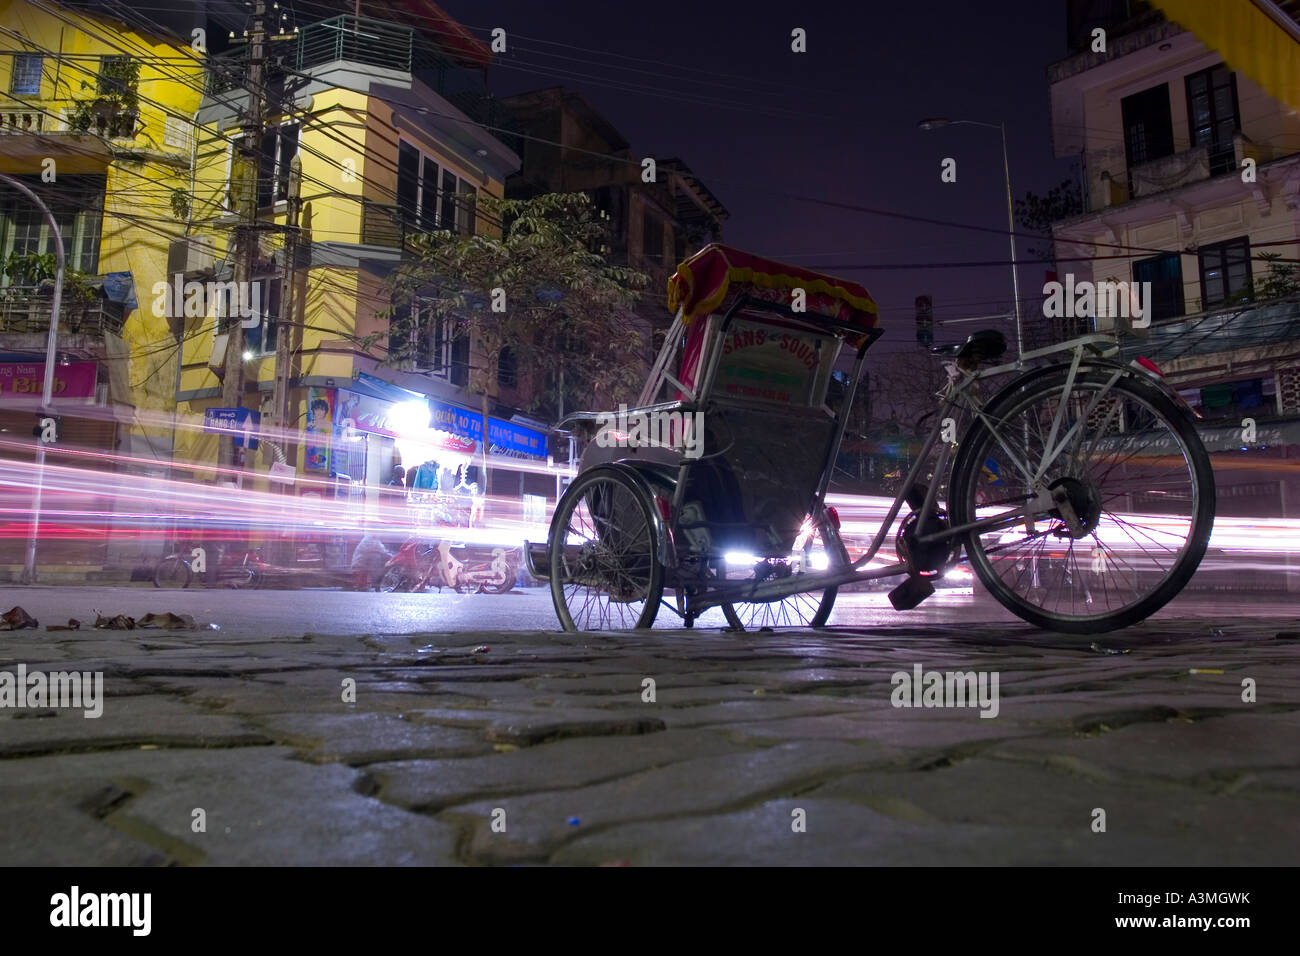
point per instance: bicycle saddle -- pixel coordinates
(982, 346)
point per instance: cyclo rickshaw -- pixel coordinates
(1078, 491)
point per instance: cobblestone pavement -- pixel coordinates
(770, 748)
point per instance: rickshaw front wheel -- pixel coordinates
(604, 554)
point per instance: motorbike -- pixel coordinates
(416, 565)
(419, 564)
(497, 576)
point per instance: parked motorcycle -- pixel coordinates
(416, 565)
(497, 576)
(419, 564)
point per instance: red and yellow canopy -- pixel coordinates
(716, 273)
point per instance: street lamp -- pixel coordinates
(935, 123)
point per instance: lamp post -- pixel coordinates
(937, 122)
(47, 393)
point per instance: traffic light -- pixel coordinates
(924, 321)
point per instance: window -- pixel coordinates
(507, 368)
(279, 146)
(1148, 126)
(1212, 115)
(417, 188)
(652, 238)
(261, 340)
(111, 69)
(1225, 273)
(466, 208)
(408, 182)
(1165, 273)
(429, 195)
(448, 216)
(78, 208)
(432, 344)
(26, 77)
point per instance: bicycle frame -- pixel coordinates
(961, 395)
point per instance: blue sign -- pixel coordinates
(243, 422)
(511, 437)
(458, 421)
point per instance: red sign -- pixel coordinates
(74, 380)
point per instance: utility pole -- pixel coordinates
(284, 327)
(246, 235)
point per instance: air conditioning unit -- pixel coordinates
(188, 256)
(217, 357)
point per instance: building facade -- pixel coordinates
(1191, 189)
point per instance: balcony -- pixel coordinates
(26, 311)
(351, 39)
(1111, 182)
(391, 227)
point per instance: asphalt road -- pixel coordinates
(328, 611)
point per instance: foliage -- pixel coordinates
(38, 269)
(1037, 213)
(1282, 279)
(114, 111)
(180, 200)
(559, 307)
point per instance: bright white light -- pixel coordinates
(248, 356)
(819, 561)
(410, 419)
(740, 557)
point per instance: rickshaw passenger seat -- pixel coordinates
(986, 345)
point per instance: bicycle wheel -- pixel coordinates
(1132, 469)
(605, 569)
(173, 572)
(799, 610)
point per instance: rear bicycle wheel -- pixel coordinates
(605, 568)
(1134, 472)
(811, 609)
(173, 572)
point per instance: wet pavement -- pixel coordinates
(1172, 743)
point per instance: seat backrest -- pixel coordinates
(755, 481)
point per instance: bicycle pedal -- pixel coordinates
(910, 593)
(915, 496)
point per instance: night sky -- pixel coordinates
(757, 122)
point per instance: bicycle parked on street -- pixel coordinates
(1078, 491)
(236, 568)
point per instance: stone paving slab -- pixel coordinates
(265, 808)
(839, 833)
(554, 730)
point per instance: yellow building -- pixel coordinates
(386, 119)
(95, 118)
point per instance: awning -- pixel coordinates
(1253, 36)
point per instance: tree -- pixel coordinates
(539, 290)
(1037, 213)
